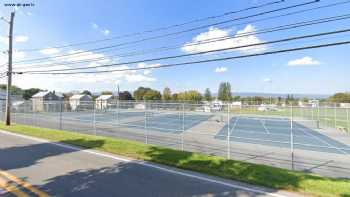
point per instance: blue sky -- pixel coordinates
(48, 24)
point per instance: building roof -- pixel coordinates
(78, 96)
(104, 97)
(40, 94)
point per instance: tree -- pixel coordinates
(191, 95)
(166, 94)
(14, 89)
(207, 95)
(125, 96)
(28, 93)
(86, 92)
(340, 98)
(224, 93)
(140, 92)
(174, 97)
(106, 93)
(152, 95)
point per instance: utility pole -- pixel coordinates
(9, 73)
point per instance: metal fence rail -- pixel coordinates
(293, 137)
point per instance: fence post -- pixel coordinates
(94, 116)
(318, 114)
(145, 127)
(183, 126)
(335, 115)
(61, 108)
(291, 135)
(228, 132)
(118, 105)
(347, 118)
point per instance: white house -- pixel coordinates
(80, 101)
(47, 101)
(103, 101)
(344, 105)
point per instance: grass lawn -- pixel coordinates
(262, 175)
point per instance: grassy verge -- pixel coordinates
(262, 175)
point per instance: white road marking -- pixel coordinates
(143, 163)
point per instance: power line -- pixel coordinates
(160, 28)
(175, 33)
(193, 54)
(203, 61)
(269, 18)
(165, 48)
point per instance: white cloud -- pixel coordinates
(49, 51)
(86, 80)
(267, 80)
(220, 69)
(305, 61)
(147, 71)
(4, 40)
(106, 32)
(21, 39)
(19, 55)
(94, 25)
(139, 78)
(237, 40)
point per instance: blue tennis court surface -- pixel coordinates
(171, 123)
(278, 132)
(159, 121)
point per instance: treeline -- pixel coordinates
(340, 98)
(224, 94)
(143, 93)
(25, 93)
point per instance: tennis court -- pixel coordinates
(263, 130)
(305, 134)
(170, 122)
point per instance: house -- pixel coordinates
(47, 101)
(103, 101)
(80, 102)
(344, 105)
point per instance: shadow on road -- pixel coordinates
(24, 156)
(131, 179)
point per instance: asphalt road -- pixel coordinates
(39, 168)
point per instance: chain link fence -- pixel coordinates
(308, 138)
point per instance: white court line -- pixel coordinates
(267, 131)
(194, 176)
(234, 125)
(321, 140)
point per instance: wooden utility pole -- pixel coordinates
(9, 73)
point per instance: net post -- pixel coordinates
(183, 126)
(291, 135)
(145, 121)
(228, 132)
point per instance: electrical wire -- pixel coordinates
(174, 33)
(165, 48)
(203, 61)
(193, 54)
(160, 28)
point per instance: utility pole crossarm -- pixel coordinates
(9, 73)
